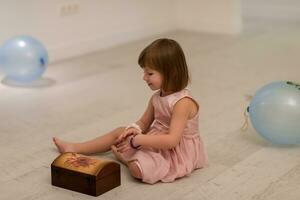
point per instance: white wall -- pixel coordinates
(104, 23)
(213, 16)
(98, 24)
(271, 9)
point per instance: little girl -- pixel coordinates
(164, 144)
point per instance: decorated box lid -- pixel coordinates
(84, 164)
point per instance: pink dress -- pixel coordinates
(167, 165)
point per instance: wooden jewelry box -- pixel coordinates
(84, 174)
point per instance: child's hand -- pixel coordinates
(125, 134)
(124, 145)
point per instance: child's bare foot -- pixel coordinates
(117, 154)
(63, 146)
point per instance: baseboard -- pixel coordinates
(94, 43)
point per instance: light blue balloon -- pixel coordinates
(275, 112)
(23, 59)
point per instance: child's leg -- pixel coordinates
(132, 165)
(97, 145)
(134, 169)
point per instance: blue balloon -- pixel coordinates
(23, 59)
(275, 112)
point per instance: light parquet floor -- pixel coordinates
(89, 95)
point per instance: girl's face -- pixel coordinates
(153, 78)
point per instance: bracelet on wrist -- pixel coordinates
(132, 145)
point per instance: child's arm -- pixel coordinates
(183, 110)
(144, 122)
(147, 118)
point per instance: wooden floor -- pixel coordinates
(84, 97)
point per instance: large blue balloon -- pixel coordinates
(23, 59)
(275, 112)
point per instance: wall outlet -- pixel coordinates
(69, 10)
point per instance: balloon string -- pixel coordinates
(246, 114)
(246, 124)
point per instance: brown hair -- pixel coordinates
(167, 57)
